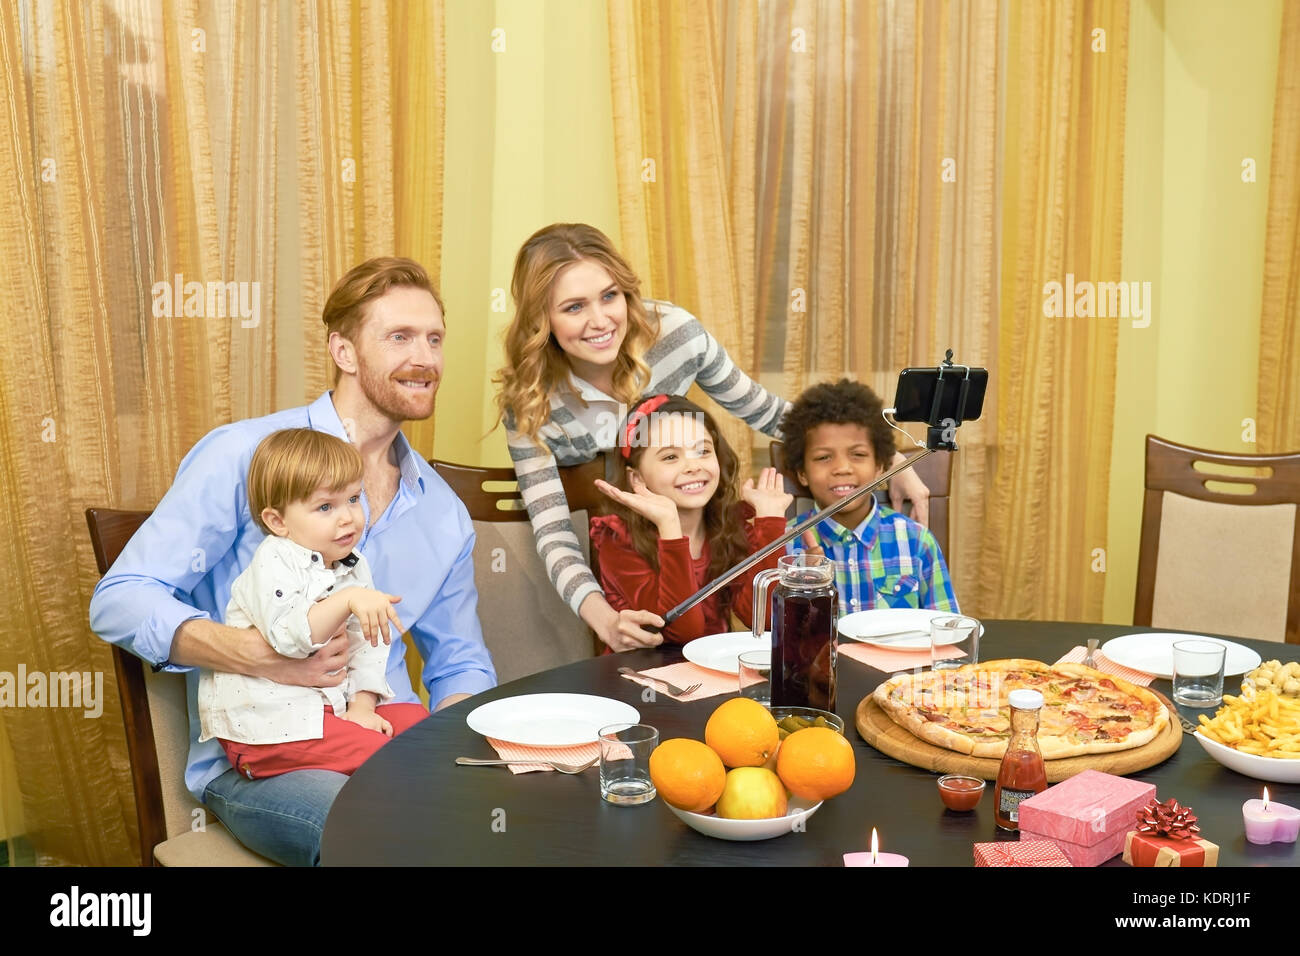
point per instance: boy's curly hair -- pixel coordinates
(836, 403)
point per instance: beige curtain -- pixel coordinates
(1279, 325)
(262, 144)
(684, 141)
(1061, 204)
(879, 212)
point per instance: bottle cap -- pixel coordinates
(1025, 699)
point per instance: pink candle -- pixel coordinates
(875, 857)
(1270, 822)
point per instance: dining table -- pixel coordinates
(410, 804)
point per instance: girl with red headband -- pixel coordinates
(683, 519)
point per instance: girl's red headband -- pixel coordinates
(638, 414)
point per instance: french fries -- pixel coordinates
(1267, 725)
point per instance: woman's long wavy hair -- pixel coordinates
(724, 521)
(535, 365)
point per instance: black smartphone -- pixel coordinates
(915, 398)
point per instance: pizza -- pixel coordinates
(965, 709)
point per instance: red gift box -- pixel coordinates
(1022, 853)
(1087, 816)
(1146, 849)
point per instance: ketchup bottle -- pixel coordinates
(1022, 773)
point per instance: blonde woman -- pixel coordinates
(584, 346)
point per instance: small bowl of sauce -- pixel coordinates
(960, 792)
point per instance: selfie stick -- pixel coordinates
(941, 436)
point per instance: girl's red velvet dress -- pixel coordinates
(630, 583)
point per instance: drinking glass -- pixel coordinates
(954, 633)
(1198, 673)
(755, 671)
(625, 763)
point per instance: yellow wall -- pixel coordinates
(1200, 100)
(530, 141)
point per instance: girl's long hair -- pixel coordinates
(724, 521)
(535, 365)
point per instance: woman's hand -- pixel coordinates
(658, 510)
(621, 630)
(768, 497)
(908, 484)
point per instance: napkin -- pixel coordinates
(574, 755)
(890, 660)
(712, 683)
(1104, 664)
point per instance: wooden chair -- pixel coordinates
(1225, 558)
(935, 470)
(156, 715)
(526, 625)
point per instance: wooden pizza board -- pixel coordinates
(889, 738)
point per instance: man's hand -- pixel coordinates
(203, 643)
(374, 609)
(908, 484)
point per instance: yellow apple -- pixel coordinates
(752, 793)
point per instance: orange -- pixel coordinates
(742, 732)
(816, 763)
(752, 793)
(687, 774)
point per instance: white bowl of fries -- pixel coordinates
(1258, 736)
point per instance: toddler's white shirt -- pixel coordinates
(274, 594)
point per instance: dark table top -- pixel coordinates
(410, 805)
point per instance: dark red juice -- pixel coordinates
(803, 649)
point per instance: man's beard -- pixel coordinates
(396, 401)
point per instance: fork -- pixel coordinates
(1090, 660)
(562, 767)
(672, 688)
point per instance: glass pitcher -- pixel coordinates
(804, 647)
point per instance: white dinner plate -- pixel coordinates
(549, 720)
(864, 626)
(1153, 653)
(718, 652)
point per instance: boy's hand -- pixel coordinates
(366, 717)
(657, 509)
(374, 609)
(768, 497)
(810, 545)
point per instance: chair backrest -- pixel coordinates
(154, 710)
(526, 625)
(1220, 549)
(935, 470)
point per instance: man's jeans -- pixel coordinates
(279, 817)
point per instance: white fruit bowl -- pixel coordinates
(1272, 769)
(795, 818)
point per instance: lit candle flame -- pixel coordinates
(1266, 799)
(875, 846)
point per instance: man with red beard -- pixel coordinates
(166, 595)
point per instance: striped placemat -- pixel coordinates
(684, 674)
(1104, 664)
(574, 755)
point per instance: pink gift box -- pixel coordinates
(1087, 816)
(1022, 853)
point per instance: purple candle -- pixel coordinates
(1270, 822)
(875, 857)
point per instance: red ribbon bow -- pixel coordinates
(1168, 819)
(639, 414)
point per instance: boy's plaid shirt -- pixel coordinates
(887, 561)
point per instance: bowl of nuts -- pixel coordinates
(1282, 679)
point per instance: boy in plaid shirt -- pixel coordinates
(837, 440)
